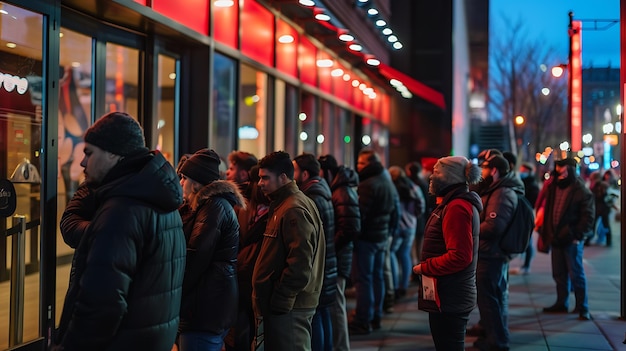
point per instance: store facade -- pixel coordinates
(194, 74)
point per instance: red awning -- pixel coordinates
(417, 88)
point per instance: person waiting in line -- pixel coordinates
(239, 165)
(252, 222)
(379, 218)
(124, 290)
(209, 304)
(450, 252)
(492, 272)
(412, 204)
(343, 183)
(307, 177)
(289, 272)
(568, 220)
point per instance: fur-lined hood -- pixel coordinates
(219, 188)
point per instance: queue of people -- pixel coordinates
(259, 257)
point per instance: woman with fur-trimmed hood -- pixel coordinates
(210, 291)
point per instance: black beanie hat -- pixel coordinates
(117, 133)
(203, 166)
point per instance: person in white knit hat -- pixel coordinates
(450, 252)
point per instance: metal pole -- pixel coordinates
(18, 268)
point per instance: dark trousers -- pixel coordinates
(448, 330)
(492, 283)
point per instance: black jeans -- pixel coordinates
(448, 330)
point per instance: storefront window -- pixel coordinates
(122, 77)
(21, 34)
(224, 97)
(292, 122)
(166, 107)
(346, 121)
(326, 138)
(308, 124)
(253, 111)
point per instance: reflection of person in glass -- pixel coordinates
(450, 251)
(126, 280)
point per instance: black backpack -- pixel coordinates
(518, 233)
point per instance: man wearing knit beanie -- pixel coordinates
(499, 196)
(114, 136)
(127, 294)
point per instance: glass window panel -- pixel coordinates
(308, 124)
(122, 77)
(75, 106)
(348, 136)
(21, 38)
(292, 123)
(325, 138)
(252, 111)
(280, 115)
(164, 125)
(224, 97)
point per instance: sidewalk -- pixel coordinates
(407, 328)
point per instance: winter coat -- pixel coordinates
(499, 204)
(412, 202)
(210, 294)
(290, 268)
(347, 217)
(126, 282)
(577, 220)
(317, 189)
(378, 204)
(450, 251)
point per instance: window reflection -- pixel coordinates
(224, 97)
(122, 77)
(308, 124)
(164, 123)
(252, 111)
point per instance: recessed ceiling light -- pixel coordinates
(325, 63)
(373, 62)
(381, 23)
(285, 39)
(397, 45)
(346, 37)
(387, 31)
(355, 47)
(322, 17)
(307, 2)
(372, 12)
(11, 45)
(223, 3)
(392, 38)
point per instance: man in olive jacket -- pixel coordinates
(127, 272)
(289, 271)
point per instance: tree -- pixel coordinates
(519, 71)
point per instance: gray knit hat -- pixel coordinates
(457, 170)
(117, 133)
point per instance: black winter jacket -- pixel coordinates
(126, 282)
(347, 217)
(499, 201)
(577, 220)
(450, 251)
(378, 203)
(317, 189)
(210, 294)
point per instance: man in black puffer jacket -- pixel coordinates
(306, 174)
(127, 272)
(343, 182)
(379, 219)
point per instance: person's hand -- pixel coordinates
(417, 269)
(175, 347)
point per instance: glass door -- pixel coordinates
(21, 69)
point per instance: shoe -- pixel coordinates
(555, 309)
(524, 270)
(375, 323)
(584, 316)
(356, 328)
(476, 330)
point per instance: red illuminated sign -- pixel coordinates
(576, 72)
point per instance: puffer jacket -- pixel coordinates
(290, 268)
(317, 189)
(455, 223)
(210, 294)
(577, 220)
(347, 217)
(126, 282)
(499, 202)
(378, 204)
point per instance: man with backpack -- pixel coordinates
(500, 199)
